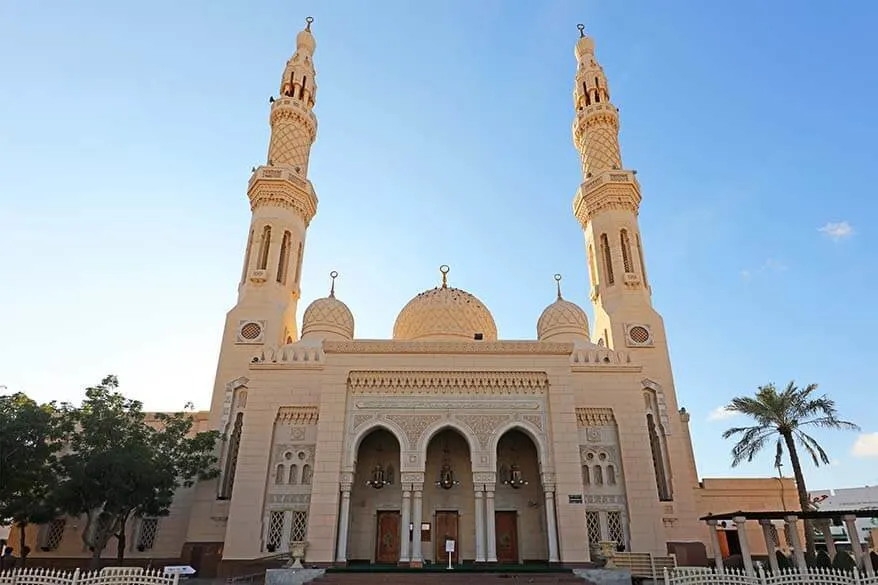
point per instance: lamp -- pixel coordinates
(378, 479)
(446, 474)
(515, 479)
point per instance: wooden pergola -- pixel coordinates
(823, 517)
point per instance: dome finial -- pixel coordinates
(444, 269)
(308, 22)
(333, 275)
(558, 284)
(581, 28)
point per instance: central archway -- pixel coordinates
(449, 505)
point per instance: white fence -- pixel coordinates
(813, 576)
(106, 576)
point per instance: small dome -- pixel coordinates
(328, 318)
(562, 321)
(585, 44)
(445, 314)
(305, 40)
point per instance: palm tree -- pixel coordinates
(783, 417)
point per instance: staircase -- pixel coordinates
(448, 578)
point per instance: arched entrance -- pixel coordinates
(520, 516)
(448, 504)
(375, 531)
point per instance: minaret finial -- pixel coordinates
(444, 270)
(558, 284)
(333, 275)
(308, 22)
(581, 28)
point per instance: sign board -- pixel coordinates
(449, 546)
(574, 498)
(179, 570)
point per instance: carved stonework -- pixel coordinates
(360, 420)
(548, 481)
(297, 433)
(483, 425)
(593, 435)
(595, 417)
(609, 452)
(413, 425)
(534, 419)
(289, 498)
(662, 403)
(604, 499)
(485, 477)
(298, 415)
(445, 347)
(431, 382)
(412, 478)
(397, 403)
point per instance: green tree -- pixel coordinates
(30, 439)
(783, 418)
(123, 466)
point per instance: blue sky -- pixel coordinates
(127, 131)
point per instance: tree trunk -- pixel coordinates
(22, 543)
(121, 542)
(95, 563)
(804, 501)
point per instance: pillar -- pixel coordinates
(417, 559)
(490, 523)
(770, 546)
(826, 529)
(741, 523)
(406, 520)
(343, 524)
(552, 526)
(863, 560)
(714, 544)
(286, 532)
(798, 551)
(480, 523)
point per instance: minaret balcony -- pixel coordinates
(294, 103)
(615, 189)
(282, 186)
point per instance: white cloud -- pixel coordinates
(866, 445)
(837, 230)
(721, 413)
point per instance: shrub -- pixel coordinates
(783, 561)
(822, 560)
(843, 561)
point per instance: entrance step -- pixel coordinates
(447, 578)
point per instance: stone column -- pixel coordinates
(826, 529)
(490, 524)
(344, 515)
(551, 525)
(714, 544)
(417, 560)
(480, 523)
(286, 532)
(798, 551)
(863, 560)
(741, 523)
(770, 546)
(406, 520)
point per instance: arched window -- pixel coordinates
(302, 88)
(598, 475)
(232, 457)
(306, 475)
(592, 271)
(586, 475)
(247, 256)
(611, 475)
(279, 474)
(284, 260)
(608, 260)
(626, 251)
(264, 245)
(658, 460)
(299, 264)
(640, 257)
(294, 474)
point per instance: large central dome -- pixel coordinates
(445, 314)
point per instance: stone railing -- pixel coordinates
(106, 576)
(811, 576)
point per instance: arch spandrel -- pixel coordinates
(532, 432)
(439, 426)
(350, 456)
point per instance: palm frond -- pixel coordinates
(813, 447)
(830, 422)
(750, 444)
(778, 455)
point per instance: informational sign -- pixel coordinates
(449, 546)
(574, 498)
(179, 570)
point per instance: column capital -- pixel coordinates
(764, 522)
(791, 519)
(480, 491)
(417, 488)
(849, 517)
(739, 519)
(711, 522)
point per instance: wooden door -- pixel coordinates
(387, 538)
(506, 526)
(446, 528)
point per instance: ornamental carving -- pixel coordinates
(439, 382)
(483, 425)
(413, 425)
(604, 499)
(595, 417)
(485, 477)
(445, 347)
(534, 419)
(446, 405)
(297, 433)
(412, 478)
(593, 435)
(289, 498)
(298, 415)
(360, 420)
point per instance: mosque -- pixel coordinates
(383, 450)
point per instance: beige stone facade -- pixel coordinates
(378, 450)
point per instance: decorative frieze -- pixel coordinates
(483, 425)
(398, 404)
(413, 425)
(298, 415)
(444, 382)
(595, 417)
(289, 498)
(615, 500)
(446, 347)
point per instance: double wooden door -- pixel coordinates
(387, 538)
(446, 529)
(506, 529)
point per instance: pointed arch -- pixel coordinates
(438, 427)
(284, 259)
(358, 436)
(247, 256)
(264, 245)
(607, 258)
(640, 257)
(231, 463)
(534, 434)
(626, 251)
(592, 270)
(294, 474)
(279, 474)
(298, 264)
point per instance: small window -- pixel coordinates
(479, 336)
(148, 530)
(275, 531)
(306, 475)
(294, 474)
(300, 526)
(54, 534)
(279, 474)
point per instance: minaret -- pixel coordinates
(606, 205)
(282, 198)
(282, 202)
